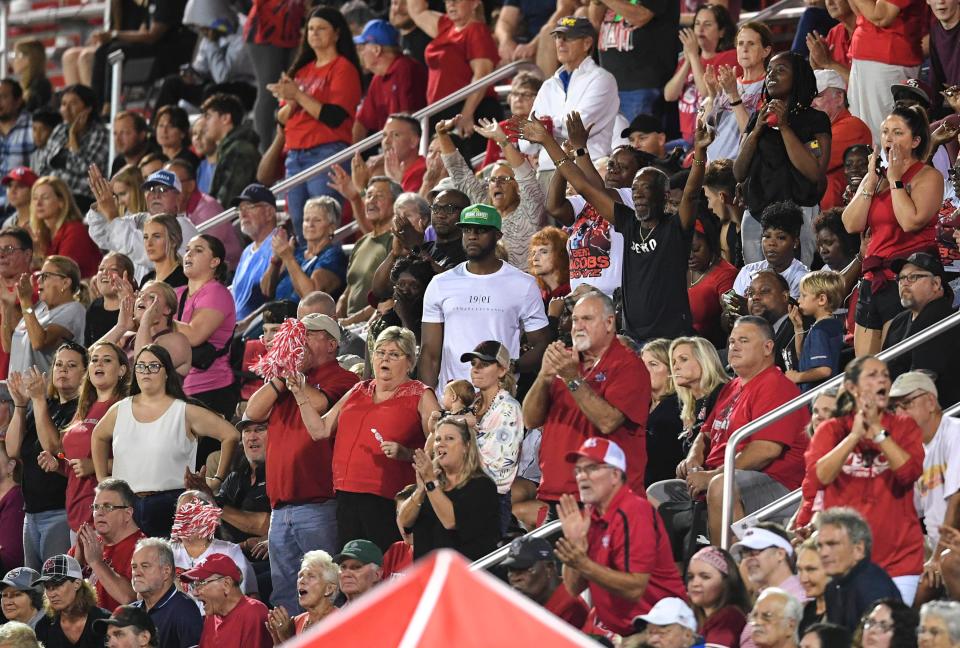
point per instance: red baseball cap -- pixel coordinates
(217, 564)
(21, 174)
(601, 450)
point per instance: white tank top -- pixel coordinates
(152, 456)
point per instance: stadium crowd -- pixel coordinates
(218, 433)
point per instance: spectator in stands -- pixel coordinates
(131, 140)
(299, 469)
(192, 538)
(664, 427)
(837, 247)
(455, 504)
(399, 83)
(151, 163)
(698, 377)
(582, 392)
(16, 254)
(45, 527)
(719, 598)
(927, 298)
(832, 52)
(102, 313)
(231, 619)
(16, 132)
(783, 232)
(318, 587)
(55, 318)
(107, 380)
(769, 297)
(127, 184)
(165, 446)
(402, 161)
(512, 188)
(711, 43)
(236, 142)
(819, 346)
(45, 120)
(413, 40)
(361, 568)
(578, 85)
(18, 635)
(22, 601)
(901, 222)
(550, 264)
(532, 571)
(775, 619)
(410, 277)
(788, 162)
(11, 512)
(709, 276)
(888, 623)
(206, 315)
(57, 224)
(30, 64)
(523, 90)
(318, 121)
(128, 626)
(412, 226)
(258, 221)
(720, 190)
(520, 28)
(944, 67)
(734, 98)
(162, 242)
(71, 605)
(175, 615)
(863, 433)
(814, 580)
(637, 45)
(846, 131)
(207, 152)
(462, 51)
(18, 183)
(633, 567)
(939, 624)
(171, 126)
(107, 545)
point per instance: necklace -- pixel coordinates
(702, 275)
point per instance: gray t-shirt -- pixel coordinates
(71, 316)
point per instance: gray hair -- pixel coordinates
(322, 562)
(395, 188)
(606, 304)
(946, 611)
(402, 337)
(18, 635)
(328, 205)
(849, 519)
(792, 608)
(163, 548)
(317, 302)
(206, 498)
(119, 487)
(415, 199)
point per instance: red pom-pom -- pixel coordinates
(285, 356)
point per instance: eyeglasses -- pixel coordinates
(913, 277)
(9, 249)
(750, 553)
(450, 210)
(107, 508)
(904, 403)
(750, 293)
(159, 189)
(248, 207)
(500, 180)
(43, 276)
(392, 356)
(882, 626)
(523, 95)
(763, 617)
(195, 586)
(589, 469)
(148, 367)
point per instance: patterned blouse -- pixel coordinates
(499, 434)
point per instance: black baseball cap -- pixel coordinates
(642, 123)
(256, 193)
(922, 260)
(575, 27)
(125, 616)
(525, 552)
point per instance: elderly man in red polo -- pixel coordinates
(616, 546)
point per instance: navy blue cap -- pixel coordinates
(378, 32)
(256, 193)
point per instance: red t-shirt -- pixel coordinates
(403, 88)
(298, 468)
(846, 131)
(252, 350)
(397, 559)
(838, 40)
(630, 537)
(336, 83)
(275, 22)
(72, 240)
(76, 445)
(448, 56)
(896, 44)
(413, 176)
(244, 625)
(621, 379)
(724, 626)
(571, 609)
(117, 557)
(883, 496)
(359, 465)
(689, 101)
(705, 300)
(739, 404)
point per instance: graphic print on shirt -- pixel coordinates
(866, 464)
(615, 33)
(589, 244)
(933, 477)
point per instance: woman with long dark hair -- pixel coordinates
(320, 91)
(718, 595)
(899, 206)
(171, 126)
(153, 435)
(887, 624)
(708, 277)
(785, 153)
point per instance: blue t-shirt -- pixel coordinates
(246, 280)
(205, 175)
(534, 14)
(331, 258)
(821, 348)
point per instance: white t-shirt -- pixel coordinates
(596, 248)
(793, 274)
(72, 316)
(474, 308)
(941, 476)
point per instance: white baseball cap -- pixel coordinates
(756, 538)
(829, 79)
(602, 451)
(667, 611)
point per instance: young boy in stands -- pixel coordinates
(821, 293)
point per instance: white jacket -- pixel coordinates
(125, 235)
(593, 92)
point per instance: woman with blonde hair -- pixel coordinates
(126, 185)
(455, 504)
(698, 376)
(663, 425)
(30, 64)
(162, 238)
(318, 586)
(550, 263)
(58, 226)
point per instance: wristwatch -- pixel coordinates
(898, 184)
(580, 152)
(574, 383)
(28, 310)
(430, 486)
(880, 436)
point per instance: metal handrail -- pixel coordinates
(57, 14)
(496, 556)
(770, 12)
(801, 401)
(369, 142)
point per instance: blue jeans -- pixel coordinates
(44, 534)
(641, 101)
(299, 160)
(296, 529)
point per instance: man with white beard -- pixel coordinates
(599, 388)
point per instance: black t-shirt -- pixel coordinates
(238, 492)
(644, 57)
(51, 634)
(43, 491)
(772, 177)
(99, 321)
(664, 445)
(449, 254)
(414, 43)
(937, 356)
(476, 509)
(655, 300)
(175, 279)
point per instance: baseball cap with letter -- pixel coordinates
(480, 215)
(602, 451)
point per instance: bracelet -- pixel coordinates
(302, 403)
(217, 477)
(20, 406)
(738, 102)
(275, 388)
(559, 162)
(699, 162)
(503, 142)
